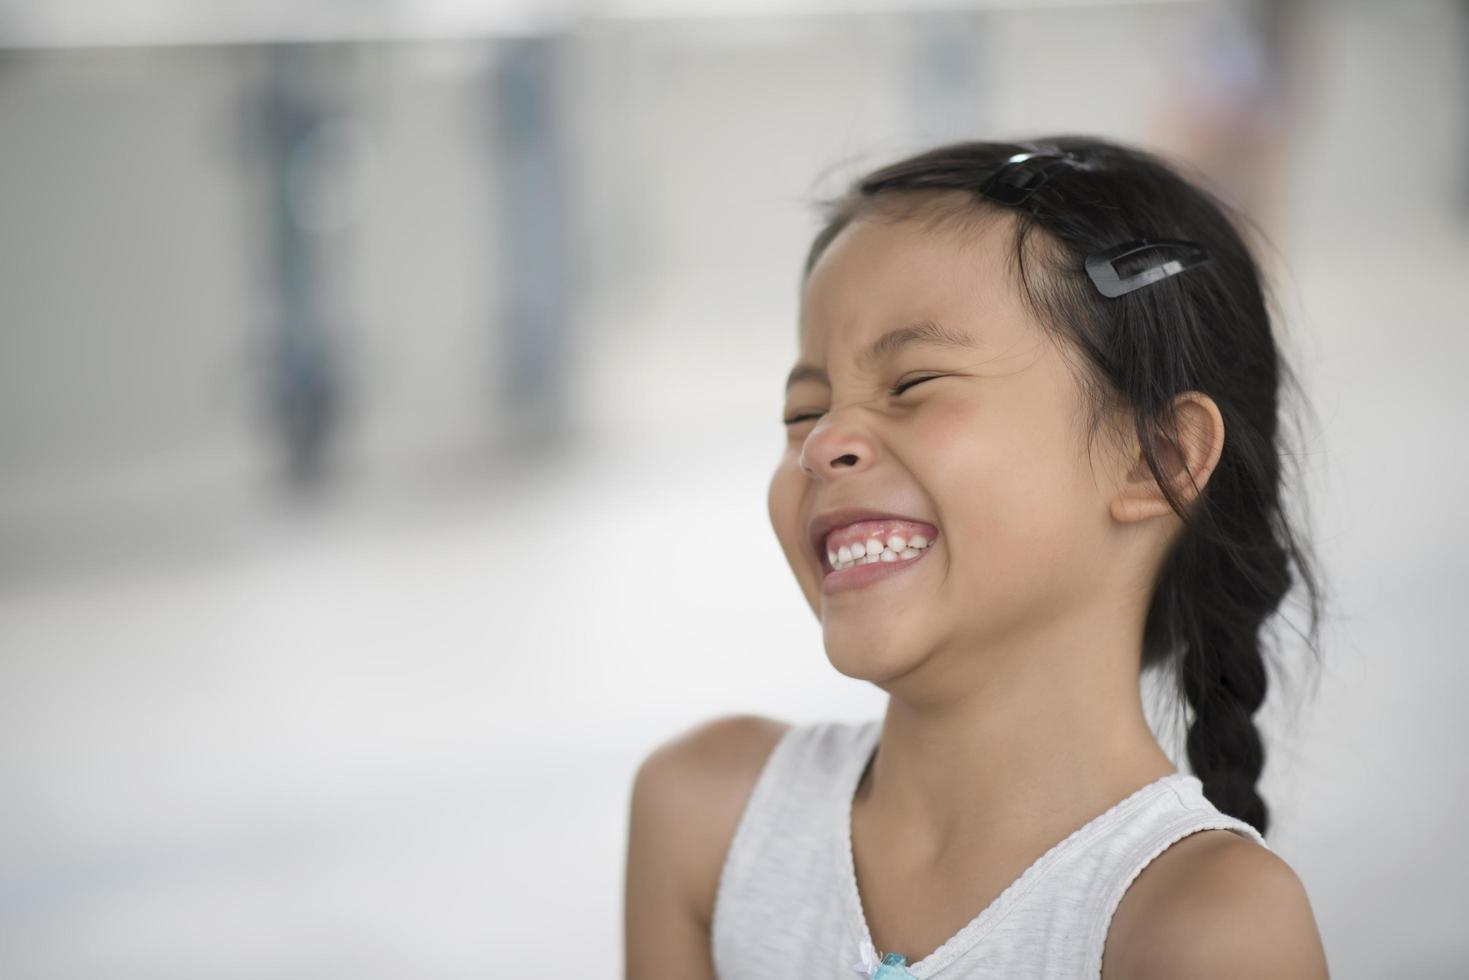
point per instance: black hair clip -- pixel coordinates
(1102, 266)
(1022, 173)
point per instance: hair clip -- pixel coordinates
(1102, 266)
(1019, 176)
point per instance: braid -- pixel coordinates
(1222, 677)
(1224, 747)
(1229, 573)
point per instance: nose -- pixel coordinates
(836, 449)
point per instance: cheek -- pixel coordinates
(1006, 490)
(783, 502)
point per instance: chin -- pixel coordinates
(869, 658)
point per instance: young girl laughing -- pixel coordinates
(1032, 452)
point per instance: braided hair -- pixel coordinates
(1207, 330)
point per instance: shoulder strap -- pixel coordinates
(781, 853)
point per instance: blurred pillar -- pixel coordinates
(302, 371)
(947, 91)
(531, 212)
(1464, 110)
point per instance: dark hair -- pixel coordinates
(1206, 329)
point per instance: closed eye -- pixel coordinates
(903, 386)
(895, 391)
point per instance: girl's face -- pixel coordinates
(990, 452)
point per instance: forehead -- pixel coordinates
(882, 272)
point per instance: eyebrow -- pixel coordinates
(928, 333)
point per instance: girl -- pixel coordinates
(1032, 451)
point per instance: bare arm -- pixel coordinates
(687, 799)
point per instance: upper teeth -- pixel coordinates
(875, 549)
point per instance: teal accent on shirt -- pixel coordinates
(894, 966)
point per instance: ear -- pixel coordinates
(1201, 440)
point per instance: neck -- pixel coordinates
(1010, 743)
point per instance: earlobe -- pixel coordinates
(1187, 465)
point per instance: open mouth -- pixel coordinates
(860, 573)
(863, 552)
(874, 542)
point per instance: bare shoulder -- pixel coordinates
(1215, 904)
(687, 799)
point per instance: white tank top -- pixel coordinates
(787, 903)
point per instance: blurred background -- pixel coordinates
(363, 364)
